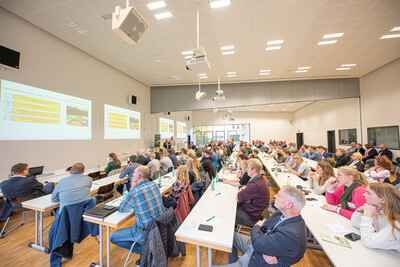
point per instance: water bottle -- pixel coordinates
(124, 192)
(159, 180)
(216, 178)
(289, 180)
(276, 172)
(173, 171)
(98, 164)
(223, 169)
(212, 184)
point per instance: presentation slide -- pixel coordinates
(30, 113)
(121, 123)
(166, 128)
(181, 129)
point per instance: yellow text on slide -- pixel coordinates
(17, 111)
(164, 127)
(180, 129)
(35, 107)
(110, 118)
(112, 114)
(36, 100)
(117, 126)
(118, 123)
(36, 120)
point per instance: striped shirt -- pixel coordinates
(145, 199)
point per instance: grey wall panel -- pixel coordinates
(326, 89)
(182, 98)
(303, 90)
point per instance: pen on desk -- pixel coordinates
(218, 194)
(360, 210)
(211, 218)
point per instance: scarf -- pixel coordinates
(347, 194)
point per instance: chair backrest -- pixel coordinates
(156, 174)
(106, 188)
(95, 175)
(170, 169)
(16, 202)
(114, 172)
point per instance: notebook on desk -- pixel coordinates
(101, 211)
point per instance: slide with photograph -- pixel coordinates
(166, 128)
(181, 129)
(121, 123)
(30, 113)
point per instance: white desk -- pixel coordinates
(43, 204)
(315, 219)
(117, 218)
(223, 207)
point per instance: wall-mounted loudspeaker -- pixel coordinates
(128, 24)
(187, 118)
(9, 58)
(132, 100)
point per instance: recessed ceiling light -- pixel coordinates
(273, 47)
(82, 31)
(327, 42)
(267, 109)
(203, 77)
(187, 53)
(72, 24)
(264, 73)
(231, 72)
(265, 70)
(232, 75)
(275, 42)
(290, 105)
(389, 36)
(228, 47)
(342, 68)
(158, 60)
(202, 74)
(395, 29)
(332, 35)
(304, 68)
(220, 3)
(187, 57)
(155, 5)
(283, 109)
(348, 65)
(298, 71)
(228, 53)
(163, 15)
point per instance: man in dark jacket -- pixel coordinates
(383, 152)
(208, 163)
(280, 240)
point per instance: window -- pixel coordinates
(389, 136)
(203, 135)
(347, 136)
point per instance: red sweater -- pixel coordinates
(357, 200)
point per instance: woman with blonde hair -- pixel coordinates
(181, 185)
(381, 171)
(242, 178)
(301, 168)
(194, 175)
(113, 163)
(347, 190)
(191, 154)
(356, 162)
(320, 179)
(379, 218)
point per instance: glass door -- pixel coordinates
(233, 136)
(220, 136)
(207, 137)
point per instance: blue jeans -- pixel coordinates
(243, 244)
(48, 188)
(124, 238)
(371, 162)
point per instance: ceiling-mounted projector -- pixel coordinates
(200, 95)
(128, 24)
(198, 63)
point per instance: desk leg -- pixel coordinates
(198, 256)
(40, 230)
(209, 257)
(101, 245)
(108, 246)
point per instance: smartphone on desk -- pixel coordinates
(108, 207)
(204, 227)
(353, 236)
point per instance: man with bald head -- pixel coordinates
(74, 188)
(384, 152)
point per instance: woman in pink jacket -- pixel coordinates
(350, 193)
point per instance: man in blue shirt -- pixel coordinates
(145, 200)
(280, 240)
(312, 154)
(173, 157)
(132, 165)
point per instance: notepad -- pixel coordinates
(338, 228)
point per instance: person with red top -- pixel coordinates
(350, 193)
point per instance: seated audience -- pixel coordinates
(341, 158)
(384, 152)
(356, 162)
(241, 176)
(278, 155)
(194, 175)
(381, 170)
(280, 240)
(322, 151)
(254, 155)
(140, 157)
(350, 193)
(303, 150)
(181, 185)
(145, 199)
(199, 152)
(321, 178)
(249, 150)
(165, 163)
(360, 149)
(183, 156)
(312, 154)
(351, 149)
(113, 163)
(173, 157)
(370, 153)
(254, 197)
(301, 168)
(207, 163)
(74, 188)
(132, 165)
(147, 157)
(20, 185)
(331, 161)
(214, 155)
(288, 158)
(379, 218)
(153, 165)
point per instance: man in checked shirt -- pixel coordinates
(145, 199)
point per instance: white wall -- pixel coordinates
(316, 119)
(263, 125)
(380, 97)
(52, 64)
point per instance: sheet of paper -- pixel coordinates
(338, 228)
(214, 221)
(317, 205)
